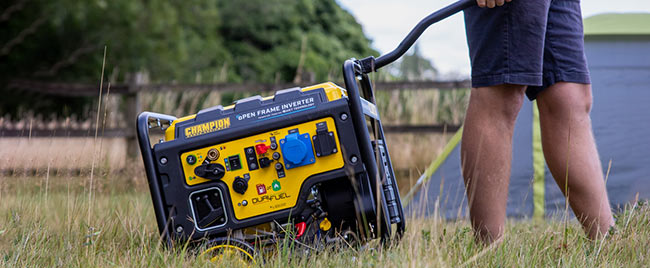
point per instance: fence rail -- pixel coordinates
(124, 133)
(79, 89)
(64, 133)
(131, 91)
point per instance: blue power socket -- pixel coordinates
(297, 150)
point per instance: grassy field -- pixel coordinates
(59, 223)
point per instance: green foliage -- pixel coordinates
(169, 39)
(173, 41)
(266, 37)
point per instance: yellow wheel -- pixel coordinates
(223, 249)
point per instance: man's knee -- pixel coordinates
(564, 100)
(501, 101)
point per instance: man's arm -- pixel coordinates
(491, 3)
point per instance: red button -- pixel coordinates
(261, 148)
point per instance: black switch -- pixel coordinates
(251, 158)
(324, 141)
(234, 162)
(265, 162)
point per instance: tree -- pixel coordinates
(414, 67)
(183, 41)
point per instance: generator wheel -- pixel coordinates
(221, 248)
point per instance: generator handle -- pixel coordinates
(142, 127)
(371, 64)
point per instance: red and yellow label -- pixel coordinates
(209, 127)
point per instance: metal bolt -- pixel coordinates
(163, 160)
(354, 159)
(244, 203)
(179, 229)
(344, 116)
(314, 191)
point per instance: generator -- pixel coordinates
(310, 164)
(295, 160)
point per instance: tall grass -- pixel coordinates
(51, 230)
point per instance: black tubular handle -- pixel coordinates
(142, 127)
(415, 33)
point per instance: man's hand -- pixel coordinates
(491, 3)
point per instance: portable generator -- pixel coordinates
(308, 163)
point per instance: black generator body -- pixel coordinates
(297, 157)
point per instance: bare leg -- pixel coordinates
(486, 152)
(564, 116)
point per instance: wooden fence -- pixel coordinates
(131, 92)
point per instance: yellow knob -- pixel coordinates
(325, 225)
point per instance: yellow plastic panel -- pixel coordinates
(274, 193)
(332, 91)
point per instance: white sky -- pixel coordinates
(386, 22)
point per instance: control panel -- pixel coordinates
(264, 172)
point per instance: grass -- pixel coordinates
(50, 226)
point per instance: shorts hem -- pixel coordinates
(526, 79)
(552, 78)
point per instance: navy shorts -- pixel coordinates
(527, 42)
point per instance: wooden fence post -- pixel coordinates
(133, 108)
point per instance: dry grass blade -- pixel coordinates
(95, 153)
